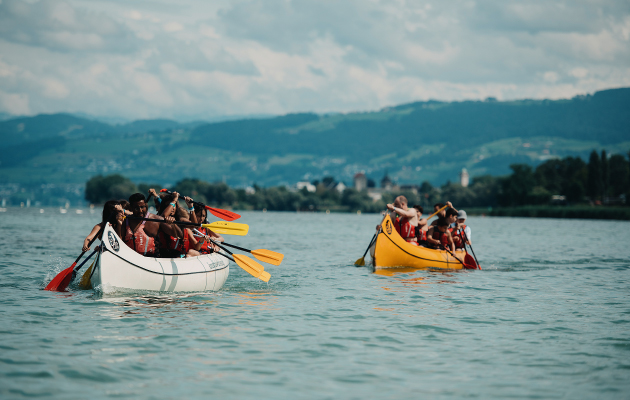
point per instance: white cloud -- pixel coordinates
(193, 58)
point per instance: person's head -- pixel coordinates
(181, 215)
(109, 210)
(138, 204)
(400, 202)
(419, 209)
(461, 216)
(201, 213)
(442, 224)
(167, 199)
(451, 215)
(124, 204)
(438, 206)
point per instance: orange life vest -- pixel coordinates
(139, 241)
(406, 230)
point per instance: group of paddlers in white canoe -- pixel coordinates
(160, 238)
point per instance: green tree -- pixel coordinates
(594, 183)
(605, 173)
(619, 174)
(100, 189)
(516, 188)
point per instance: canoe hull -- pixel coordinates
(119, 268)
(390, 250)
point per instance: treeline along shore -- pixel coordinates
(557, 188)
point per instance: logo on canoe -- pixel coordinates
(113, 241)
(388, 227)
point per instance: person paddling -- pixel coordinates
(406, 221)
(140, 235)
(109, 211)
(184, 243)
(461, 232)
(200, 216)
(440, 237)
(422, 228)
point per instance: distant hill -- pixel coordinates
(411, 142)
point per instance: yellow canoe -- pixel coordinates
(391, 250)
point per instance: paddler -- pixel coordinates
(200, 216)
(461, 232)
(111, 211)
(184, 244)
(440, 237)
(405, 219)
(140, 235)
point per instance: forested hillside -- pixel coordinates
(424, 141)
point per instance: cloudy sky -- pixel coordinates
(190, 59)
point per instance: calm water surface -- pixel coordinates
(548, 317)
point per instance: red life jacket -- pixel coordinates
(139, 241)
(442, 237)
(406, 230)
(421, 235)
(170, 243)
(461, 234)
(206, 248)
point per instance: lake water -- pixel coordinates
(547, 317)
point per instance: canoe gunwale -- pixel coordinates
(164, 273)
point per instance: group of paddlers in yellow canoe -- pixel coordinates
(405, 239)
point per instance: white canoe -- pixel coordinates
(119, 268)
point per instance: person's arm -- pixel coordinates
(169, 208)
(88, 239)
(467, 232)
(422, 222)
(430, 236)
(191, 209)
(156, 199)
(194, 243)
(217, 238)
(450, 241)
(448, 203)
(408, 213)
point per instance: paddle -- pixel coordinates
(63, 279)
(220, 227)
(250, 266)
(471, 249)
(268, 256)
(217, 212)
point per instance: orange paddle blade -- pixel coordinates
(226, 215)
(62, 280)
(251, 267)
(268, 256)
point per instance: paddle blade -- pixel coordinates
(228, 228)
(251, 267)
(264, 276)
(223, 214)
(360, 262)
(268, 256)
(62, 280)
(85, 279)
(469, 262)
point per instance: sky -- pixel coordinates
(190, 59)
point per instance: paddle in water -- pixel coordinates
(63, 279)
(264, 255)
(250, 266)
(226, 215)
